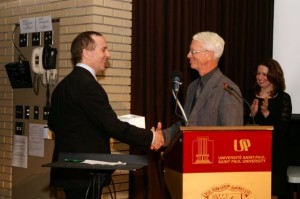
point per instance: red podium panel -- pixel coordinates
(220, 163)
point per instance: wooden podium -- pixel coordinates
(220, 163)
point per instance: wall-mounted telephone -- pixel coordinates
(43, 63)
(43, 58)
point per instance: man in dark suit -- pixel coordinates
(208, 103)
(83, 120)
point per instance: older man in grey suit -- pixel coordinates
(208, 103)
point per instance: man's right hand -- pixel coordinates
(158, 141)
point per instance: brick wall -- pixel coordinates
(110, 17)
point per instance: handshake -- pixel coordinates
(158, 139)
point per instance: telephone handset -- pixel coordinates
(49, 57)
(36, 61)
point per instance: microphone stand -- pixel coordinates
(181, 109)
(229, 88)
(178, 134)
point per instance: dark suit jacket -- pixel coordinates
(83, 122)
(214, 107)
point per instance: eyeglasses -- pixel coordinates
(197, 51)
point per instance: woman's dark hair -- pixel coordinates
(275, 76)
(82, 41)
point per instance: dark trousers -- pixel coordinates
(92, 190)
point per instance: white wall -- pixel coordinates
(286, 44)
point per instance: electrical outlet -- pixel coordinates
(27, 112)
(48, 38)
(50, 77)
(19, 126)
(23, 40)
(19, 111)
(36, 112)
(36, 39)
(46, 112)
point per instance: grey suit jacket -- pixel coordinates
(215, 106)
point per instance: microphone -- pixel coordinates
(232, 90)
(175, 84)
(176, 81)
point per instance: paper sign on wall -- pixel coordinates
(36, 24)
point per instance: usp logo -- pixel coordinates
(242, 145)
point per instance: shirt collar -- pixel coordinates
(87, 68)
(206, 77)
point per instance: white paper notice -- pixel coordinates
(19, 156)
(27, 25)
(36, 139)
(135, 120)
(103, 162)
(43, 24)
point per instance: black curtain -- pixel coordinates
(161, 35)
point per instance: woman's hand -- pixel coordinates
(254, 107)
(264, 108)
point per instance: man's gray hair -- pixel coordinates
(212, 42)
